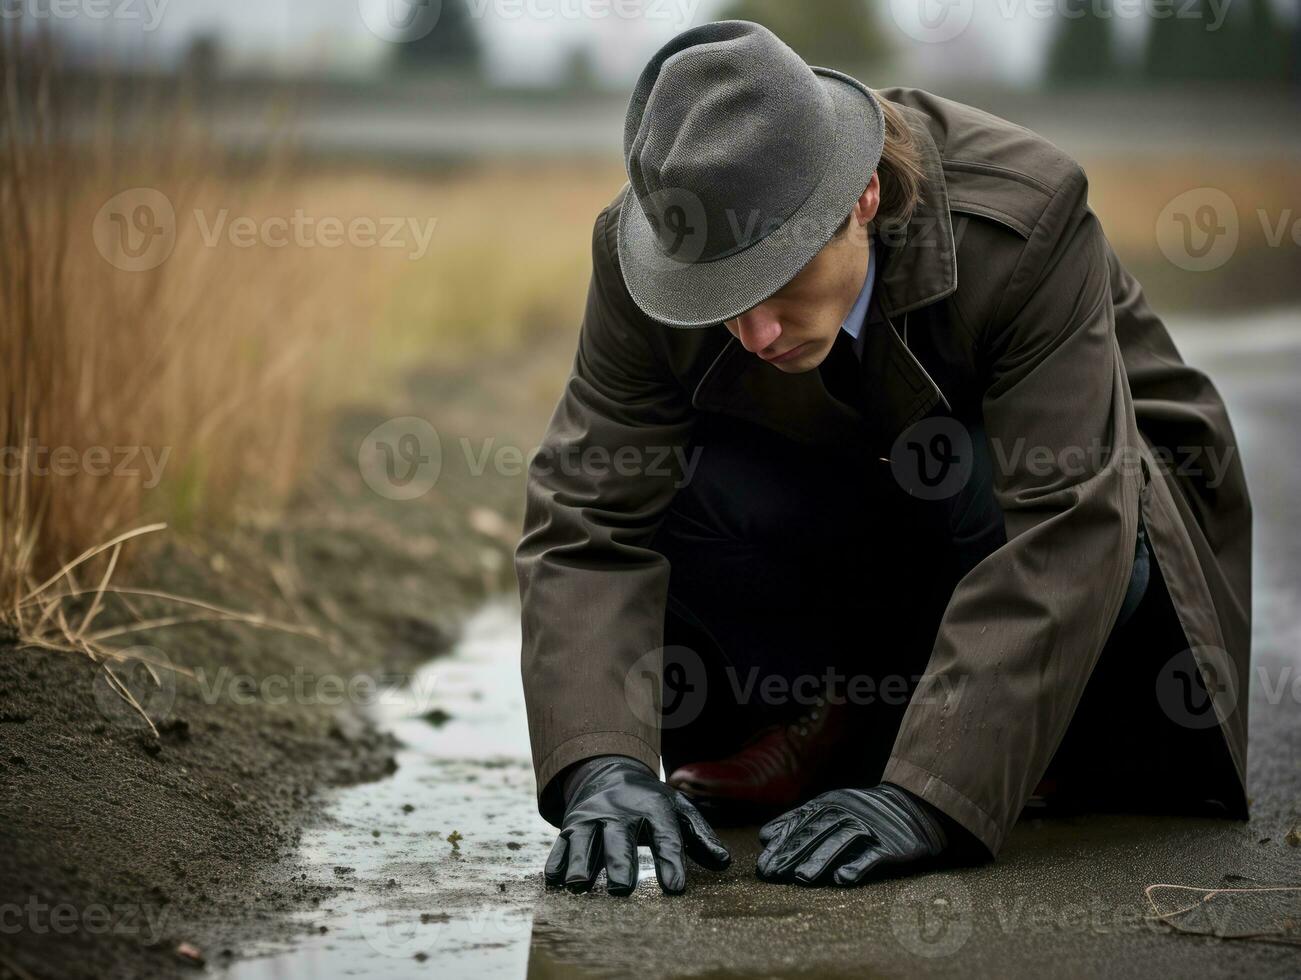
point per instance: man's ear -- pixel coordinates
(868, 203)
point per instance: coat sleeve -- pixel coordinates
(1024, 628)
(593, 592)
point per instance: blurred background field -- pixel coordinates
(491, 132)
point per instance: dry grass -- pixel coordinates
(187, 391)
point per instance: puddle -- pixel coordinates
(414, 904)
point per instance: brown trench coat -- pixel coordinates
(1005, 301)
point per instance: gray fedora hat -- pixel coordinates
(743, 162)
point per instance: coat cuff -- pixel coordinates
(942, 796)
(551, 802)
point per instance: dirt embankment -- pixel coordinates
(124, 854)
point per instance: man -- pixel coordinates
(866, 464)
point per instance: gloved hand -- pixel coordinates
(612, 804)
(849, 833)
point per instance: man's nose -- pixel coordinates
(758, 329)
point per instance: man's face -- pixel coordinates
(795, 328)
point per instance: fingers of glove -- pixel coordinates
(781, 856)
(584, 857)
(702, 844)
(774, 827)
(556, 861)
(666, 847)
(841, 847)
(619, 842)
(863, 867)
(778, 825)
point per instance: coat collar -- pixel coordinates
(919, 267)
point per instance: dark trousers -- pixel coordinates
(795, 573)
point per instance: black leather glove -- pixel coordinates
(612, 804)
(848, 834)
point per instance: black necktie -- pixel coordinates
(842, 373)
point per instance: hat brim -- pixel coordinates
(701, 294)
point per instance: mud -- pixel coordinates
(117, 847)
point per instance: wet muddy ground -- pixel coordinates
(426, 861)
(440, 863)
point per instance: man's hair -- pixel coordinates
(900, 167)
(900, 170)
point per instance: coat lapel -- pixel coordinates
(918, 267)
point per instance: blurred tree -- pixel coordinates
(1083, 47)
(203, 58)
(829, 33)
(452, 44)
(580, 69)
(1215, 41)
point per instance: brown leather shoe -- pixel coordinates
(779, 767)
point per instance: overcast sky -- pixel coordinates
(529, 41)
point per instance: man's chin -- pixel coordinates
(805, 362)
